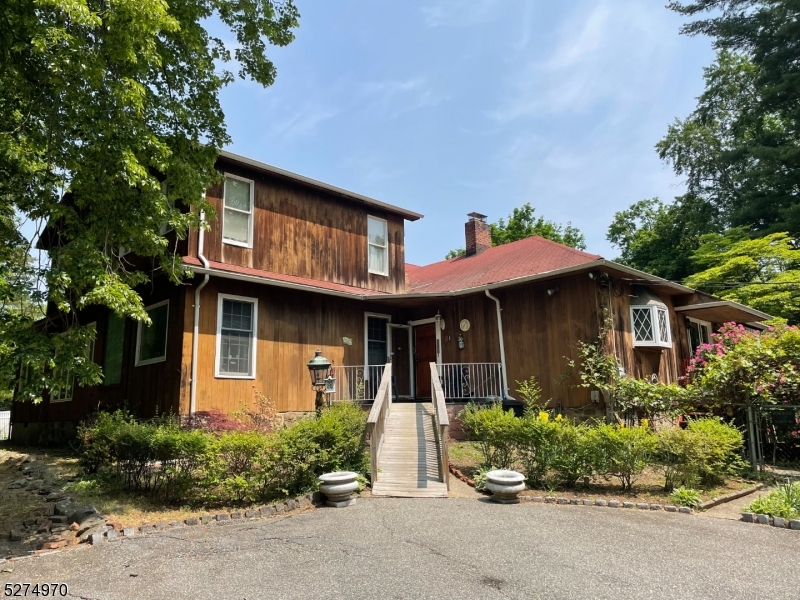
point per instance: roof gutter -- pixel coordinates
(719, 303)
(196, 330)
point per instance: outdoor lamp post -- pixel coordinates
(322, 379)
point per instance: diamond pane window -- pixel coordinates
(650, 325)
(236, 337)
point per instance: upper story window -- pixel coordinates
(237, 320)
(151, 340)
(237, 214)
(377, 245)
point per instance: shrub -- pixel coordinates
(574, 454)
(622, 452)
(536, 445)
(496, 431)
(783, 501)
(685, 497)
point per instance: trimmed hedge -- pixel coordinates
(552, 451)
(162, 458)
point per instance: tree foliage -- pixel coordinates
(763, 272)
(110, 123)
(522, 223)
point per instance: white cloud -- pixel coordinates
(302, 121)
(392, 98)
(458, 13)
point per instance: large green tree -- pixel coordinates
(523, 223)
(110, 123)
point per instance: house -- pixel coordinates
(292, 265)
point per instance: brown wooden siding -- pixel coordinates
(303, 232)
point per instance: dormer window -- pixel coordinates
(649, 321)
(377, 246)
(237, 214)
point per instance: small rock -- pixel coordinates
(223, 517)
(64, 507)
(236, 515)
(147, 528)
(794, 524)
(748, 517)
(54, 497)
(762, 519)
(600, 502)
(81, 514)
(685, 510)
(206, 519)
(627, 505)
(192, 521)
(114, 525)
(562, 501)
(642, 506)
(44, 527)
(176, 524)
(613, 503)
(96, 538)
(112, 534)
(670, 508)
(538, 499)
(29, 522)
(59, 519)
(54, 545)
(128, 531)
(575, 501)
(15, 535)
(588, 502)
(304, 501)
(87, 535)
(778, 522)
(279, 507)
(267, 511)
(656, 507)
(250, 513)
(317, 498)
(162, 526)
(291, 505)
(74, 527)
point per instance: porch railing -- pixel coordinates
(471, 380)
(376, 421)
(357, 383)
(442, 422)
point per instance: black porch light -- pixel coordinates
(322, 378)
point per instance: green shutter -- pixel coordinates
(115, 338)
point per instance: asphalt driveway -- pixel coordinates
(456, 548)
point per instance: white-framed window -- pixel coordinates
(378, 245)
(237, 212)
(237, 327)
(151, 340)
(699, 333)
(65, 392)
(650, 326)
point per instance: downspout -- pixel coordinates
(196, 331)
(502, 345)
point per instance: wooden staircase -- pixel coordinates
(408, 443)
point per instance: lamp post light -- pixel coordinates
(322, 379)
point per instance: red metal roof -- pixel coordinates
(530, 256)
(269, 276)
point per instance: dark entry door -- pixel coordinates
(424, 355)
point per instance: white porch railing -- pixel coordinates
(357, 383)
(471, 380)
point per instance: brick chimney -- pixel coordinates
(478, 234)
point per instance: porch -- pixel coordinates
(460, 382)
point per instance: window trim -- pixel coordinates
(151, 361)
(657, 341)
(69, 392)
(701, 323)
(385, 247)
(218, 342)
(250, 214)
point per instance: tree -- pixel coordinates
(661, 238)
(759, 43)
(763, 273)
(110, 123)
(523, 224)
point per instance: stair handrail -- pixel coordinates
(442, 423)
(376, 421)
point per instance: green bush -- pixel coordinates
(495, 430)
(159, 457)
(536, 444)
(783, 501)
(622, 452)
(685, 497)
(706, 452)
(574, 455)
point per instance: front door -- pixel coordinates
(401, 360)
(424, 355)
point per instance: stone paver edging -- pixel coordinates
(779, 522)
(732, 496)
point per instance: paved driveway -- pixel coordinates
(456, 548)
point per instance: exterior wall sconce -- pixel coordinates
(461, 343)
(552, 291)
(322, 379)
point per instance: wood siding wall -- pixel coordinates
(146, 390)
(307, 233)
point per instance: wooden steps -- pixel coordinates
(408, 464)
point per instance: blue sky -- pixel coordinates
(448, 107)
